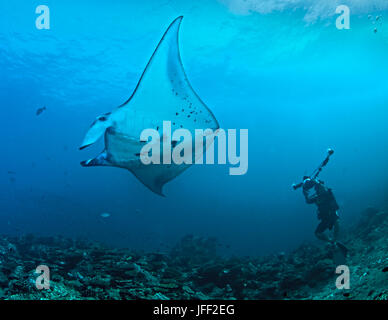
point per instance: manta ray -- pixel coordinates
(163, 93)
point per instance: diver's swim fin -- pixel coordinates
(342, 247)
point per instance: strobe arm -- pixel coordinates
(317, 171)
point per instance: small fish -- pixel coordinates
(11, 172)
(40, 110)
(105, 215)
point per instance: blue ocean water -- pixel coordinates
(296, 82)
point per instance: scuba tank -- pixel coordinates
(333, 201)
(326, 202)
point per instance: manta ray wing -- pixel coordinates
(163, 93)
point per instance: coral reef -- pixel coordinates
(193, 270)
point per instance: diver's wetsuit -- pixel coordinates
(327, 205)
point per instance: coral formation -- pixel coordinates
(193, 270)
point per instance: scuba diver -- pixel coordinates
(315, 192)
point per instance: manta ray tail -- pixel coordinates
(96, 130)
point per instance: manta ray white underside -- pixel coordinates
(163, 93)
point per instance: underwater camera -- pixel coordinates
(316, 172)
